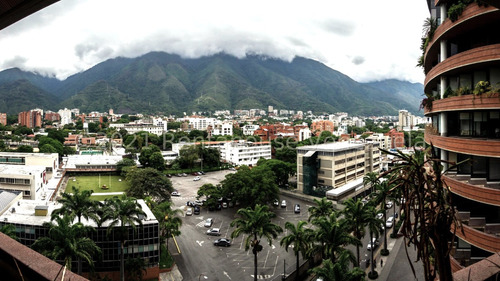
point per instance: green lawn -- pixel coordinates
(95, 183)
(103, 197)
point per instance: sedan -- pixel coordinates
(209, 222)
(222, 242)
(197, 178)
(175, 193)
(389, 222)
(213, 231)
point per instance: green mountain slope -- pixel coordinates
(22, 95)
(158, 82)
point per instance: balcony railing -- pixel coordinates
(466, 145)
(484, 193)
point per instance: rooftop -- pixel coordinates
(333, 146)
(20, 170)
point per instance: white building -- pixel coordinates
(48, 160)
(235, 152)
(249, 129)
(224, 128)
(383, 141)
(134, 127)
(25, 179)
(65, 116)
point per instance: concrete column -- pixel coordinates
(443, 86)
(443, 50)
(443, 126)
(444, 157)
(444, 12)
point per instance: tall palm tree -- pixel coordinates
(333, 235)
(356, 214)
(433, 221)
(256, 223)
(371, 179)
(323, 208)
(123, 213)
(66, 240)
(167, 220)
(374, 229)
(299, 237)
(339, 271)
(383, 190)
(77, 204)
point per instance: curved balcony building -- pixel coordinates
(462, 67)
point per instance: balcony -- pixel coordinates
(474, 189)
(485, 55)
(468, 102)
(476, 234)
(465, 145)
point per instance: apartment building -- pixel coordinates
(3, 119)
(337, 167)
(462, 67)
(30, 119)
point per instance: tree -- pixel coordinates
(333, 235)
(299, 237)
(168, 220)
(56, 134)
(282, 170)
(77, 204)
(339, 271)
(135, 269)
(9, 230)
(65, 241)
(125, 162)
(382, 191)
(210, 157)
(374, 229)
(356, 214)
(47, 148)
(251, 187)
(25, 148)
(286, 154)
(432, 222)
(53, 142)
(371, 179)
(323, 208)
(148, 182)
(188, 154)
(146, 153)
(256, 223)
(122, 213)
(156, 161)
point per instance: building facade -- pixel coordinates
(337, 167)
(3, 119)
(30, 119)
(462, 67)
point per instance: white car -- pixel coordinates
(388, 204)
(175, 193)
(373, 245)
(209, 222)
(213, 231)
(197, 178)
(389, 222)
(283, 204)
(380, 216)
(189, 212)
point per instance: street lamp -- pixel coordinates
(204, 276)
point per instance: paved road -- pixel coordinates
(199, 255)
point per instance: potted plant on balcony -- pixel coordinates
(427, 103)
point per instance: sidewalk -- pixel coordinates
(173, 275)
(393, 245)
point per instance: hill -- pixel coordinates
(158, 82)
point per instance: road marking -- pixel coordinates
(200, 242)
(273, 247)
(227, 275)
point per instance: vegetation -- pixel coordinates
(339, 271)
(299, 237)
(256, 223)
(148, 182)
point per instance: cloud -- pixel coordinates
(338, 27)
(357, 60)
(16, 61)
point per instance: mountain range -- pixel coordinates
(163, 83)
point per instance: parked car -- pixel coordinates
(296, 208)
(184, 174)
(224, 205)
(169, 175)
(213, 231)
(276, 202)
(201, 172)
(380, 216)
(209, 222)
(190, 203)
(218, 207)
(175, 193)
(197, 210)
(189, 212)
(388, 204)
(197, 178)
(198, 203)
(373, 245)
(283, 204)
(230, 204)
(222, 242)
(389, 222)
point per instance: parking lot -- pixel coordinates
(199, 257)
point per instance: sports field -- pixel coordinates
(99, 184)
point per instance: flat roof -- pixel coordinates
(333, 146)
(24, 213)
(20, 169)
(336, 192)
(74, 160)
(29, 154)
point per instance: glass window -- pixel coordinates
(494, 169)
(465, 124)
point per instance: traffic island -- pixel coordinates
(373, 275)
(384, 252)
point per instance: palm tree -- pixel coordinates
(123, 213)
(299, 237)
(339, 271)
(333, 235)
(323, 208)
(167, 220)
(433, 221)
(66, 240)
(356, 214)
(374, 229)
(256, 223)
(77, 204)
(371, 179)
(383, 190)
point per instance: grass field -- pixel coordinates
(102, 197)
(95, 183)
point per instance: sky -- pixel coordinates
(367, 40)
